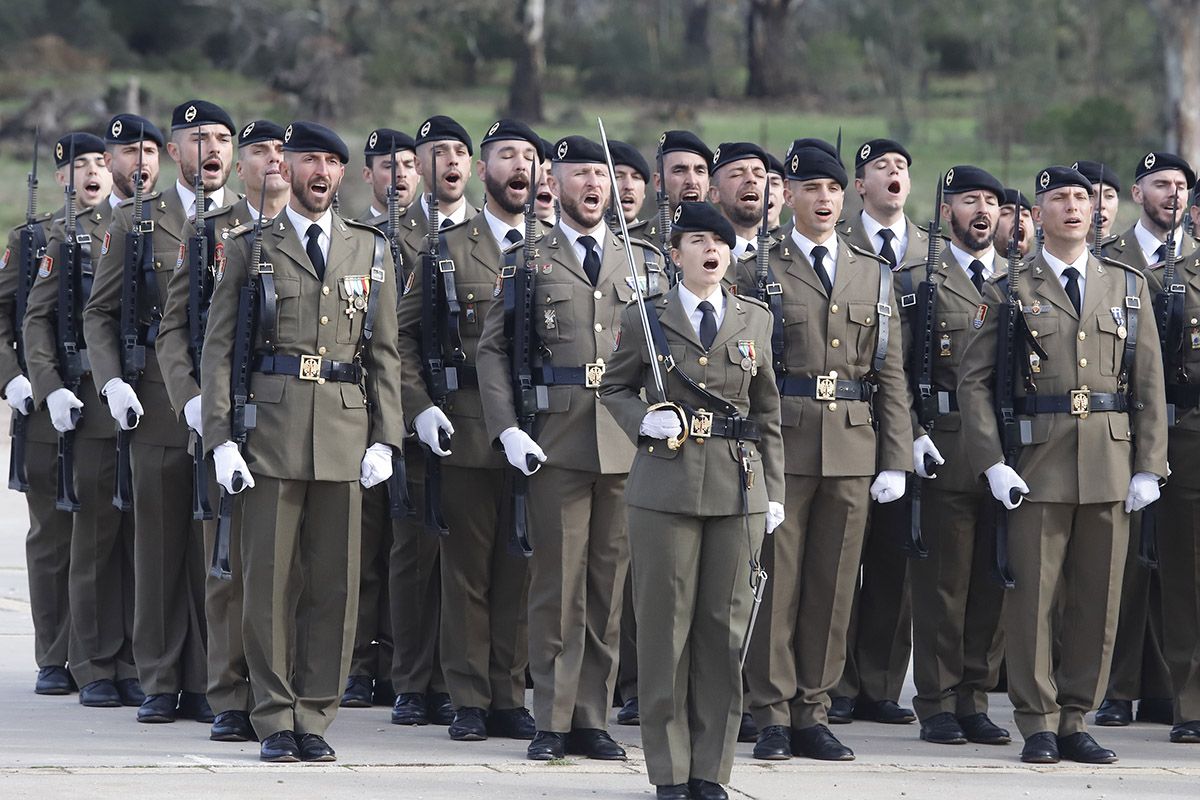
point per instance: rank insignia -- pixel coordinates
(219, 260)
(980, 316)
(107, 241)
(179, 259)
(47, 266)
(550, 318)
(7, 253)
(944, 349)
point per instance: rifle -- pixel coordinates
(399, 503)
(663, 202)
(32, 247)
(199, 294)
(1097, 219)
(440, 379)
(133, 348)
(71, 360)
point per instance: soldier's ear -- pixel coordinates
(1037, 215)
(714, 194)
(480, 169)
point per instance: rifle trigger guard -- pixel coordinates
(675, 442)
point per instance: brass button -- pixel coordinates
(650, 449)
(1033, 333)
(833, 406)
(835, 343)
(867, 320)
(1083, 362)
(320, 351)
(1082, 335)
(833, 309)
(703, 361)
(698, 441)
(597, 294)
(470, 295)
(320, 381)
(702, 386)
(943, 323)
(598, 327)
(324, 320)
(1194, 321)
(324, 290)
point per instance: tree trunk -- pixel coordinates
(764, 30)
(525, 92)
(695, 39)
(1179, 27)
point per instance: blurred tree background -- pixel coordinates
(1011, 85)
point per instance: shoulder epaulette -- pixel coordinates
(871, 254)
(365, 226)
(146, 198)
(237, 231)
(1112, 262)
(753, 301)
(639, 242)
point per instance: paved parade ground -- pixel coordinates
(51, 747)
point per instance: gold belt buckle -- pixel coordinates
(702, 424)
(310, 368)
(827, 387)
(593, 373)
(1081, 402)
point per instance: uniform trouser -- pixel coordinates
(169, 568)
(300, 559)
(1179, 568)
(693, 598)
(812, 559)
(956, 604)
(485, 591)
(48, 558)
(1080, 550)
(372, 655)
(1138, 667)
(228, 676)
(580, 558)
(101, 572)
(879, 640)
(627, 665)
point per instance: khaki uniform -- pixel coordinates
(576, 508)
(833, 448)
(101, 564)
(690, 543)
(300, 522)
(1070, 534)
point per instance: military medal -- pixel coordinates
(355, 288)
(550, 318)
(1119, 318)
(749, 358)
(980, 316)
(944, 352)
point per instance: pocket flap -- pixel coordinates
(862, 313)
(953, 321)
(267, 388)
(1118, 426)
(287, 287)
(555, 292)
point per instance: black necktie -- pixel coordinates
(512, 237)
(889, 255)
(708, 323)
(977, 275)
(1160, 255)
(591, 261)
(313, 248)
(445, 223)
(208, 204)
(818, 258)
(750, 249)
(1072, 276)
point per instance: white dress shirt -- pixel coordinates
(500, 229)
(1150, 243)
(691, 304)
(301, 224)
(806, 246)
(872, 227)
(456, 217)
(964, 259)
(188, 198)
(1059, 266)
(573, 235)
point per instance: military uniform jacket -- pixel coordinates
(308, 430)
(41, 322)
(701, 478)
(577, 324)
(914, 255)
(1072, 459)
(1126, 249)
(842, 438)
(414, 226)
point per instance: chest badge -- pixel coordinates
(944, 347)
(550, 318)
(980, 316)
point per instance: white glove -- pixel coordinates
(888, 486)
(774, 515)
(121, 400)
(427, 425)
(661, 424)
(1003, 479)
(376, 465)
(193, 416)
(518, 445)
(18, 392)
(229, 462)
(1143, 490)
(921, 447)
(61, 403)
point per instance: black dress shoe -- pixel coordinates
(158, 708)
(439, 708)
(547, 746)
(409, 709)
(628, 715)
(942, 728)
(315, 748)
(819, 743)
(594, 743)
(841, 711)
(1114, 713)
(99, 694)
(1156, 709)
(53, 680)
(194, 705)
(511, 723)
(747, 730)
(1186, 733)
(279, 747)
(232, 726)
(468, 725)
(358, 693)
(706, 790)
(1040, 748)
(774, 743)
(130, 692)
(981, 730)
(1083, 748)
(676, 791)
(384, 694)
(888, 712)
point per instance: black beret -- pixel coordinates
(728, 152)
(74, 145)
(547, 149)
(126, 128)
(311, 137)
(776, 165)
(879, 147)
(510, 129)
(260, 130)
(1157, 162)
(809, 141)
(578, 150)
(193, 113)
(1059, 177)
(810, 163)
(691, 217)
(684, 142)
(625, 154)
(440, 128)
(966, 178)
(385, 141)
(1096, 172)
(1015, 197)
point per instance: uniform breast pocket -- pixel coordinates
(353, 293)
(737, 372)
(950, 337)
(624, 294)
(287, 309)
(474, 299)
(795, 329)
(1045, 330)
(863, 328)
(1112, 344)
(554, 318)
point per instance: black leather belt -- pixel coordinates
(1184, 395)
(467, 375)
(1080, 403)
(825, 387)
(309, 368)
(703, 424)
(589, 375)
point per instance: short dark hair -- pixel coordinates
(676, 238)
